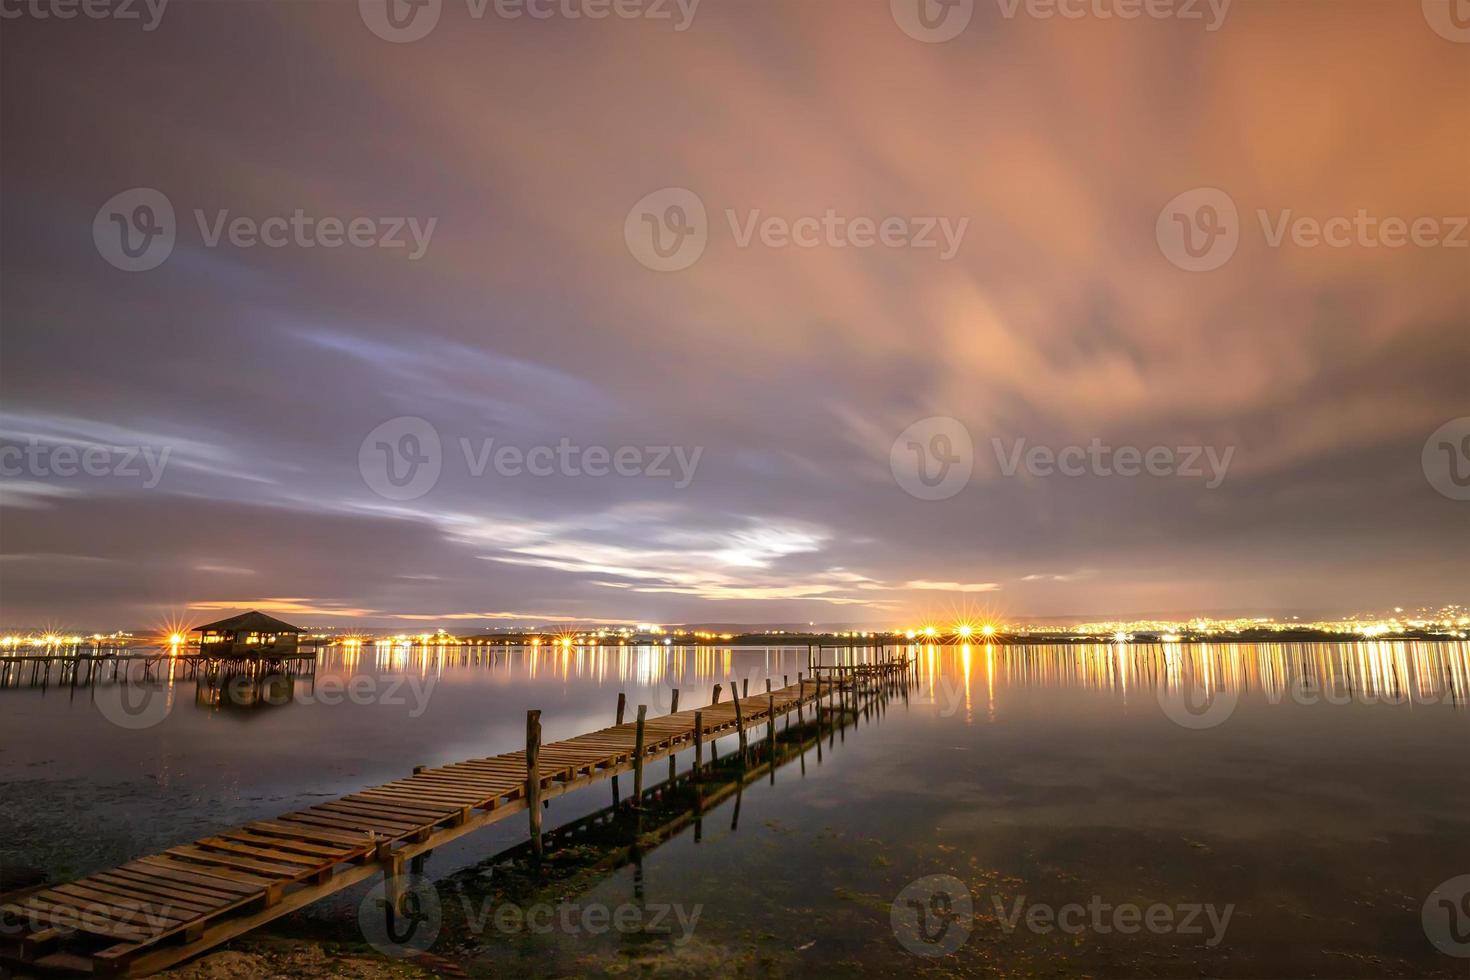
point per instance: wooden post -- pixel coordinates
(638, 757)
(673, 755)
(533, 777)
(739, 722)
(768, 685)
(622, 704)
(745, 688)
(771, 732)
(715, 699)
(698, 741)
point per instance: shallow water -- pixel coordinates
(1250, 810)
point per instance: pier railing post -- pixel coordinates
(622, 705)
(638, 757)
(739, 721)
(698, 742)
(533, 777)
(673, 753)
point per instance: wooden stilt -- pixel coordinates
(638, 757)
(533, 778)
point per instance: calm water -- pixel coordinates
(1267, 810)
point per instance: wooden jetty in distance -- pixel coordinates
(159, 910)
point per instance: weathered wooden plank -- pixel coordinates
(187, 874)
(263, 853)
(271, 869)
(257, 883)
(309, 833)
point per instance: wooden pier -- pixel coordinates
(158, 910)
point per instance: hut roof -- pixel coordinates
(251, 622)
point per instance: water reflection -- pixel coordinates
(1380, 672)
(1399, 672)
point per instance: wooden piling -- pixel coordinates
(674, 704)
(533, 777)
(698, 741)
(739, 723)
(715, 698)
(622, 704)
(638, 756)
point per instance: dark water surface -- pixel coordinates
(1130, 810)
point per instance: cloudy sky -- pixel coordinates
(582, 359)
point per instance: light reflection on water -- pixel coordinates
(1326, 803)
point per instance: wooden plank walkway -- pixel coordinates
(155, 911)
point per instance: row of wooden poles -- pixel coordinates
(862, 682)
